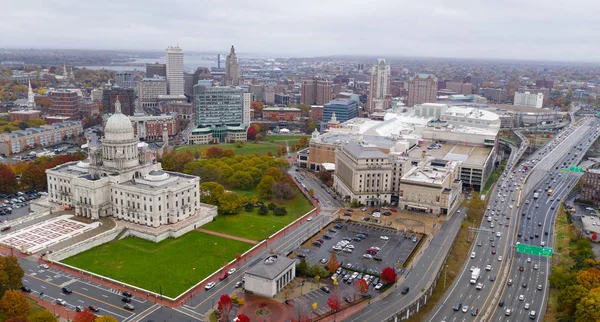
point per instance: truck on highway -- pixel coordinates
(536, 195)
(549, 192)
(475, 275)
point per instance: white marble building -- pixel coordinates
(121, 179)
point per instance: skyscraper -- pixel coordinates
(232, 69)
(124, 79)
(422, 88)
(380, 97)
(156, 69)
(218, 106)
(175, 82)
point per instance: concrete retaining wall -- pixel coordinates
(87, 244)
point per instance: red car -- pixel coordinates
(521, 268)
(393, 210)
(223, 276)
(493, 251)
(5, 228)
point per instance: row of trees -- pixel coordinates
(7, 126)
(32, 174)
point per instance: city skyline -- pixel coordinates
(547, 31)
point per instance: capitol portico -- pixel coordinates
(121, 179)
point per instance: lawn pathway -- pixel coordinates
(249, 241)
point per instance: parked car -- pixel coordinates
(93, 308)
(325, 289)
(209, 286)
(126, 293)
(61, 302)
(129, 306)
(126, 299)
(25, 288)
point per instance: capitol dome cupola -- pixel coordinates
(118, 127)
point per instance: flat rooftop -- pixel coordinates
(522, 109)
(175, 180)
(427, 173)
(468, 155)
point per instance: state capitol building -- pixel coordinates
(121, 179)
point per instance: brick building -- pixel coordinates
(126, 97)
(66, 103)
(281, 113)
(590, 191)
(46, 135)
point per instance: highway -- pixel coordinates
(503, 212)
(537, 220)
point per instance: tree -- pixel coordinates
(560, 278)
(230, 203)
(271, 206)
(333, 263)
(303, 268)
(311, 192)
(243, 318)
(248, 207)
(303, 143)
(362, 287)
(11, 274)
(224, 306)
(239, 144)
(265, 186)
(281, 150)
(388, 275)
(33, 177)
(283, 191)
(257, 107)
(203, 153)
(251, 135)
(8, 180)
(14, 304)
(105, 318)
(280, 211)
(210, 192)
(569, 297)
(241, 179)
(311, 125)
(334, 303)
(16, 319)
(263, 210)
(588, 308)
(196, 154)
(254, 200)
(43, 316)
(589, 278)
(84, 316)
(213, 153)
(274, 172)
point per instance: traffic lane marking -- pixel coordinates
(78, 293)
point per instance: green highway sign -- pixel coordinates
(572, 169)
(534, 250)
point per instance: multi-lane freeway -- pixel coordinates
(493, 249)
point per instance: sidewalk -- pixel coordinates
(249, 241)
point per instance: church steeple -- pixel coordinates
(30, 97)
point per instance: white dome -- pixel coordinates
(157, 175)
(118, 127)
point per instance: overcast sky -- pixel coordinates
(544, 29)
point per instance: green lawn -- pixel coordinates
(253, 226)
(269, 144)
(173, 264)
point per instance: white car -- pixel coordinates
(209, 286)
(61, 302)
(521, 297)
(499, 258)
(488, 267)
(479, 286)
(526, 306)
(498, 234)
(376, 214)
(231, 271)
(44, 266)
(384, 237)
(309, 218)
(473, 255)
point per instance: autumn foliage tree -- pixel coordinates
(361, 287)
(11, 274)
(333, 263)
(589, 278)
(224, 306)
(8, 179)
(84, 316)
(251, 133)
(334, 303)
(14, 304)
(388, 275)
(243, 318)
(42, 316)
(588, 308)
(105, 318)
(33, 177)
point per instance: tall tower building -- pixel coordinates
(232, 68)
(175, 81)
(380, 97)
(315, 91)
(30, 97)
(422, 88)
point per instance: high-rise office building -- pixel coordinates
(380, 97)
(422, 88)
(188, 81)
(126, 96)
(156, 69)
(175, 81)
(315, 91)
(218, 106)
(344, 109)
(495, 94)
(232, 69)
(148, 90)
(124, 79)
(247, 106)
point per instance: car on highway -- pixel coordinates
(465, 308)
(126, 299)
(521, 297)
(67, 290)
(488, 267)
(479, 286)
(539, 287)
(524, 285)
(528, 259)
(499, 258)
(474, 312)
(473, 255)
(457, 306)
(209, 286)
(493, 251)
(507, 312)
(404, 290)
(526, 306)
(93, 308)
(536, 266)
(510, 282)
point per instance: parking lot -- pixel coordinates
(386, 247)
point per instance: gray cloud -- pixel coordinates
(527, 29)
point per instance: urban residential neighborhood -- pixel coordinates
(299, 162)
